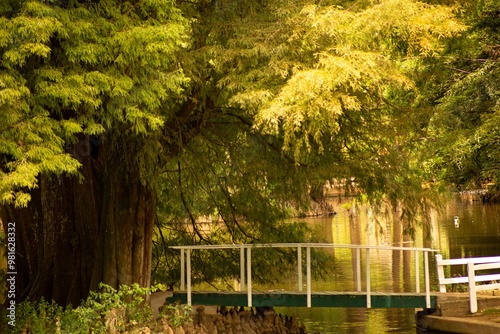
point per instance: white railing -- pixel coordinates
(186, 266)
(473, 265)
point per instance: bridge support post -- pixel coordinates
(183, 271)
(358, 269)
(427, 280)
(242, 269)
(249, 273)
(299, 266)
(189, 300)
(368, 288)
(417, 272)
(308, 275)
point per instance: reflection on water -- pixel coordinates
(477, 234)
(354, 320)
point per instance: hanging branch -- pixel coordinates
(225, 191)
(162, 239)
(184, 203)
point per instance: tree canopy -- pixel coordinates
(467, 120)
(225, 108)
(67, 70)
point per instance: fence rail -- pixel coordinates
(246, 280)
(473, 266)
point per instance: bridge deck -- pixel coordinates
(298, 299)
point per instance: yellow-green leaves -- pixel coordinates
(83, 69)
(404, 27)
(30, 33)
(30, 146)
(349, 62)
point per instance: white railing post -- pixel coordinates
(299, 266)
(308, 275)
(440, 272)
(358, 269)
(427, 280)
(189, 300)
(368, 288)
(417, 272)
(183, 271)
(471, 272)
(242, 269)
(249, 273)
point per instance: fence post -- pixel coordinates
(471, 273)
(440, 272)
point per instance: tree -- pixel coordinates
(348, 121)
(102, 97)
(467, 117)
(86, 90)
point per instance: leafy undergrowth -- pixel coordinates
(108, 311)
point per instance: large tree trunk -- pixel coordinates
(126, 232)
(79, 231)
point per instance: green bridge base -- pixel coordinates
(299, 299)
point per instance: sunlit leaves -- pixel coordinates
(348, 61)
(82, 68)
(335, 86)
(409, 27)
(466, 123)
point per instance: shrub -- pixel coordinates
(106, 311)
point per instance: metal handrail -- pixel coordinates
(186, 266)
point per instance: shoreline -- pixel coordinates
(452, 315)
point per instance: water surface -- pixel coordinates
(477, 234)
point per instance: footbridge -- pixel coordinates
(362, 294)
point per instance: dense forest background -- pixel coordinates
(125, 125)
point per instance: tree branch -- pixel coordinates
(459, 70)
(184, 202)
(225, 191)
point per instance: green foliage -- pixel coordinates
(41, 317)
(299, 94)
(316, 81)
(230, 185)
(323, 62)
(335, 86)
(177, 316)
(119, 310)
(241, 104)
(466, 123)
(124, 304)
(84, 68)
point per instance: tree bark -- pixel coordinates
(80, 231)
(126, 232)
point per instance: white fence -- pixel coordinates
(186, 265)
(473, 265)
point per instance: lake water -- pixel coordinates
(477, 234)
